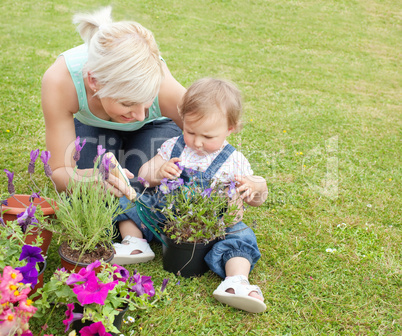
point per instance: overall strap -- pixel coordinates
(178, 147)
(219, 161)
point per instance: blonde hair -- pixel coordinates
(209, 96)
(123, 57)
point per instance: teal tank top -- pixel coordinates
(75, 60)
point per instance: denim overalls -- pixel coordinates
(240, 240)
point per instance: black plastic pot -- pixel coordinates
(78, 325)
(185, 259)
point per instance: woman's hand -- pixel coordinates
(119, 187)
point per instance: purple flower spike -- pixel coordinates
(45, 156)
(27, 218)
(33, 196)
(31, 254)
(207, 193)
(95, 329)
(105, 167)
(78, 148)
(10, 185)
(164, 284)
(71, 316)
(29, 273)
(31, 166)
(101, 151)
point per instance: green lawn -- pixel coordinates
(322, 85)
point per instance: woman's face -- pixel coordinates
(125, 112)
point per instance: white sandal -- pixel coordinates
(241, 298)
(129, 244)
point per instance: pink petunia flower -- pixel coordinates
(83, 273)
(95, 329)
(93, 291)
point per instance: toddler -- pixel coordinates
(210, 111)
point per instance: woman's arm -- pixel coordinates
(59, 103)
(170, 95)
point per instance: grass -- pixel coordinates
(322, 86)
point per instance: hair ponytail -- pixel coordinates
(88, 24)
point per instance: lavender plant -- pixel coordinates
(84, 212)
(197, 213)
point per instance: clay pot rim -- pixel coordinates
(46, 207)
(81, 264)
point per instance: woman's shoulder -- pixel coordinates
(57, 82)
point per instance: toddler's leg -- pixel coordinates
(233, 258)
(133, 248)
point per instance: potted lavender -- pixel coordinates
(194, 218)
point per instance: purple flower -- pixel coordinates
(124, 274)
(101, 151)
(179, 165)
(33, 196)
(105, 166)
(93, 291)
(45, 156)
(31, 254)
(29, 273)
(164, 187)
(164, 284)
(27, 218)
(78, 148)
(174, 184)
(143, 181)
(232, 189)
(4, 202)
(143, 285)
(207, 193)
(34, 155)
(95, 329)
(71, 317)
(10, 185)
(2, 222)
(190, 171)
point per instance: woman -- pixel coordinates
(116, 91)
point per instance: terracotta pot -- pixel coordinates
(18, 204)
(74, 266)
(185, 259)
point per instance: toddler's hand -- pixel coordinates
(245, 188)
(169, 169)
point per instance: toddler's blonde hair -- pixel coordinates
(123, 57)
(211, 96)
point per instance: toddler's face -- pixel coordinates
(206, 135)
